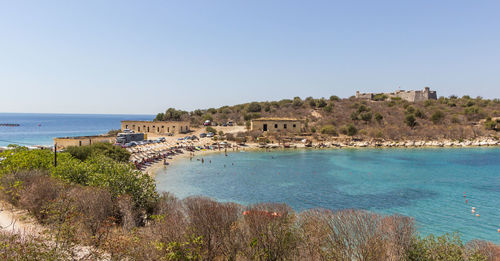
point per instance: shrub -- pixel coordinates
(38, 192)
(172, 115)
(437, 117)
(420, 114)
(445, 247)
(380, 97)
(410, 109)
(311, 101)
(473, 113)
(210, 129)
(254, 107)
(321, 103)
(363, 108)
(207, 117)
(349, 130)
(328, 108)
(410, 120)
(355, 116)
(366, 116)
(329, 129)
(297, 102)
(28, 247)
(270, 232)
(100, 171)
(428, 103)
(379, 117)
(490, 125)
(334, 98)
(214, 222)
(106, 149)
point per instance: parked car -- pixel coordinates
(210, 134)
(207, 123)
(229, 123)
(224, 124)
(203, 135)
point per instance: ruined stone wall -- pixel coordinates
(364, 95)
(82, 141)
(411, 96)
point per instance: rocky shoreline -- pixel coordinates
(417, 143)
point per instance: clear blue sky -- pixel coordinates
(145, 56)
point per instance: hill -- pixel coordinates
(393, 119)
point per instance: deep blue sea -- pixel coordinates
(40, 129)
(427, 184)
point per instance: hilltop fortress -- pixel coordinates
(411, 96)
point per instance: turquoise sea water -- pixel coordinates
(40, 129)
(427, 184)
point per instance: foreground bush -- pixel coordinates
(98, 171)
(115, 210)
(104, 149)
(25, 247)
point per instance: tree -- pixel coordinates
(207, 117)
(366, 116)
(321, 103)
(410, 120)
(171, 115)
(297, 102)
(312, 102)
(160, 116)
(334, 98)
(197, 112)
(254, 107)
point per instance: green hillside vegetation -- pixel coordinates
(94, 199)
(451, 118)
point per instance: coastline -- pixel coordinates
(255, 147)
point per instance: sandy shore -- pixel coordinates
(159, 166)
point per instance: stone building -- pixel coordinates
(276, 125)
(65, 142)
(157, 127)
(411, 96)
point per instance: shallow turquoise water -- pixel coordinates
(427, 184)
